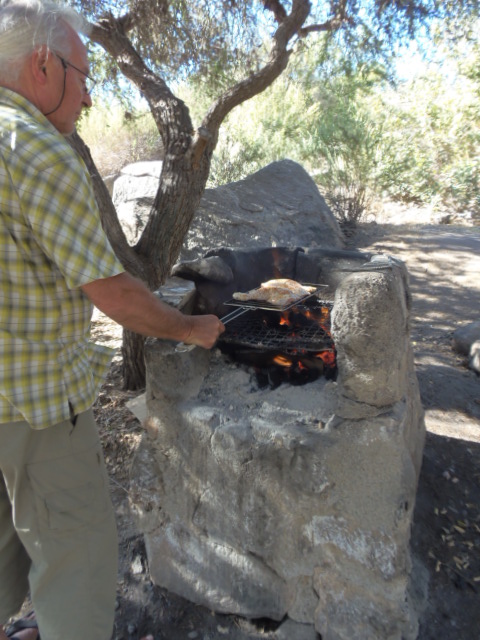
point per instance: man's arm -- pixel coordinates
(129, 302)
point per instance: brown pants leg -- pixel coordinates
(14, 561)
(60, 526)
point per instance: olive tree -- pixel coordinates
(237, 48)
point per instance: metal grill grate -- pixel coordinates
(258, 330)
(263, 304)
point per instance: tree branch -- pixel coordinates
(340, 18)
(111, 225)
(257, 82)
(276, 8)
(110, 33)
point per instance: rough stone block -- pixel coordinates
(295, 501)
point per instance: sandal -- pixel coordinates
(21, 624)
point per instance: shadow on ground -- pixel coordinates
(446, 537)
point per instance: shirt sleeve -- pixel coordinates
(65, 222)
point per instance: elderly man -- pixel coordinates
(57, 529)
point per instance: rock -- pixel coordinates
(149, 169)
(133, 195)
(474, 361)
(294, 502)
(137, 566)
(465, 336)
(466, 341)
(290, 630)
(268, 208)
(379, 378)
(280, 205)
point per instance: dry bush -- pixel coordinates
(117, 138)
(348, 204)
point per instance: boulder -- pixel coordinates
(466, 341)
(465, 336)
(474, 356)
(133, 195)
(271, 207)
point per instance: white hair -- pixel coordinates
(27, 25)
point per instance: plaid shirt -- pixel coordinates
(51, 243)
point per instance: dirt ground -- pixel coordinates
(444, 265)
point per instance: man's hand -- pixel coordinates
(205, 331)
(129, 302)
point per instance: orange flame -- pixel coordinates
(328, 357)
(283, 361)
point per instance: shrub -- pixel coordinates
(117, 137)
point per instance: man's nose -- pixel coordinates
(87, 100)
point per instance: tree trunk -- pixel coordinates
(133, 361)
(133, 345)
(108, 215)
(186, 165)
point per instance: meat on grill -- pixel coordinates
(279, 293)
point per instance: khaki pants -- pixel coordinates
(57, 529)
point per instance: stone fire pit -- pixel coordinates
(294, 503)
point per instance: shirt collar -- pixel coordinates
(13, 99)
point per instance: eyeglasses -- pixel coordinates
(88, 84)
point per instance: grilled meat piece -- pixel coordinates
(279, 293)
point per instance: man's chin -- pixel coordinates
(70, 132)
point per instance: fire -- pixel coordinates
(283, 361)
(301, 360)
(295, 345)
(325, 314)
(319, 316)
(294, 364)
(328, 357)
(323, 319)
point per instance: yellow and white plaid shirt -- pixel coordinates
(51, 243)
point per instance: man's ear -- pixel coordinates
(39, 61)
